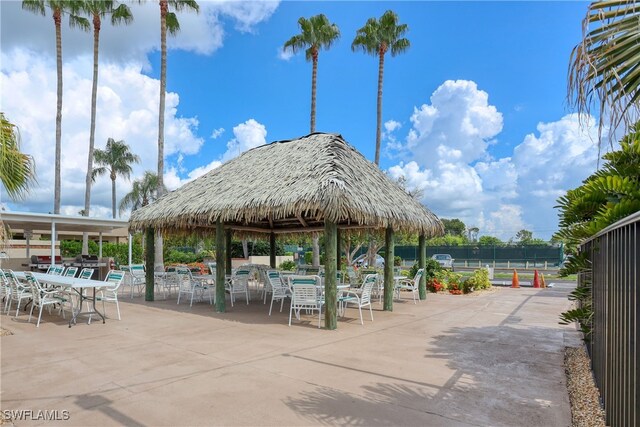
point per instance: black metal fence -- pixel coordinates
(615, 356)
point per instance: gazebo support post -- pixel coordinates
(149, 258)
(422, 261)
(388, 270)
(227, 245)
(220, 272)
(338, 255)
(272, 250)
(330, 289)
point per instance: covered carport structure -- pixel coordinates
(50, 223)
(316, 183)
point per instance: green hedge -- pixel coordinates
(118, 251)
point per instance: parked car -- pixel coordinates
(361, 261)
(444, 260)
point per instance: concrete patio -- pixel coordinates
(490, 359)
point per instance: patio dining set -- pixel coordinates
(304, 288)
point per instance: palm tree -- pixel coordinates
(143, 192)
(377, 37)
(116, 160)
(17, 170)
(58, 8)
(97, 9)
(604, 66)
(168, 22)
(316, 33)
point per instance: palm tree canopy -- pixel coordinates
(62, 6)
(115, 159)
(143, 192)
(605, 66)
(316, 33)
(120, 13)
(17, 170)
(173, 25)
(377, 37)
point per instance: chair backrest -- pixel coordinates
(35, 287)
(55, 269)
(312, 271)
(4, 281)
(86, 273)
(417, 277)
(14, 284)
(184, 277)
(304, 290)
(114, 277)
(71, 272)
(369, 282)
(137, 270)
(212, 268)
(242, 276)
(278, 286)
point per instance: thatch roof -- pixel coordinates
(291, 186)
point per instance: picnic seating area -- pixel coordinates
(444, 361)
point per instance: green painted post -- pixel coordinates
(338, 251)
(422, 287)
(388, 270)
(220, 272)
(272, 250)
(149, 260)
(227, 252)
(330, 289)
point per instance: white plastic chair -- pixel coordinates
(18, 291)
(410, 285)
(86, 274)
(42, 298)
(239, 284)
(187, 285)
(56, 269)
(279, 290)
(305, 295)
(110, 292)
(363, 298)
(137, 279)
(70, 272)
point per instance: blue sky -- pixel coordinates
(475, 112)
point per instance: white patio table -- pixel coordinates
(77, 285)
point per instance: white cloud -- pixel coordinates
(392, 125)
(247, 135)
(446, 154)
(201, 33)
(216, 133)
(127, 109)
(285, 54)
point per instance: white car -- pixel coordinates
(444, 260)
(361, 261)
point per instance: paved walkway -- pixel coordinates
(491, 359)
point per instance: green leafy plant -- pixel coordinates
(397, 261)
(479, 280)
(287, 265)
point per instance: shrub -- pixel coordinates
(287, 265)
(397, 261)
(431, 266)
(434, 285)
(308, 258)
(449, 279)
(178, 257)
(479, 280)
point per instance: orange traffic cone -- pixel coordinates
(515, 283)
(536, 279)
(542, 284)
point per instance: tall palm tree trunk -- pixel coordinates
(379, 118)
(57, 19)
(92, 132)
(314, 79)
(164, 8)
(113, 196)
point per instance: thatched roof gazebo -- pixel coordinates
(314, 183)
